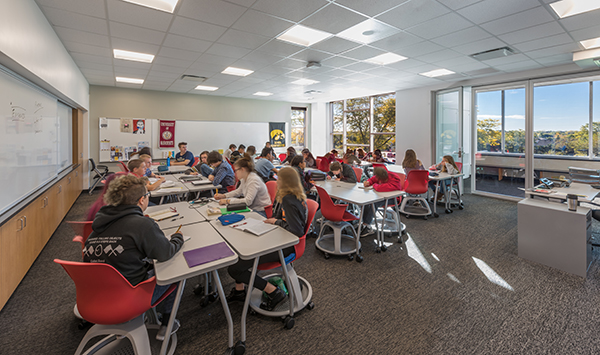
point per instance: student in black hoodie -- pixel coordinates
(125, 239)
(290, 212)
(341, 172)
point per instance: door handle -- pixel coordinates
(25, 221)
(21, 228)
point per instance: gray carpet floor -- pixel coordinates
(456, 286)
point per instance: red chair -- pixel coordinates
(272, 188)
(415, 186)
(82, 231)
(123, 167)
(336, 216)
(297, 283)
(282, 157)
(107, 299)
(318, 161)
(358, 172)
(323, 165)
(196, 161)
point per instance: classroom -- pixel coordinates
(493, 250)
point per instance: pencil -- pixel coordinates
(178, 229)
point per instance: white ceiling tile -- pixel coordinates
(333, 19)
(586, 33)
(435, 57)
(280, 48)
(458, 4)
(531, 33)
(419, 49)
(263, 75)
(96, 66)
(84, 7)
(152, 79)
(221, 80)
(100, 80)
(243, 39)
(135, 33)
(276, 70)
(227, 51)
(256, 22)
(405, 64)
(556, 59)
(361, 66)
(520, 66)
(518, 21)
(515, 58)
(544, 42)
(396, 42)
(129, 45)
(335, 45)
(584, 20)
(102, 73)
(245, 3)
(71, 35)
(440, 26)
(450, 63)
(159, 75)
(248, 64)
(489, 10)
(196, 29)
(130, 72)
(207, 58)
(178, 54)
(291, 64)
(467, 35)
(174, 62)
(363, 52)
(87, 49)
(339, 72)
(187, 43)
(293, 10)
(137, 15)
(413, 13)
(381, 71)
(262, 57)
(209, 67)
(337, 62)
(76, 21)
(155, 87)
(310, 55)
(218, 12)
(480, 46)
(370, 8)
(546, 52)
(80, 57)
(422, 68)
(168, 69)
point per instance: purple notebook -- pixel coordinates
(207, 254)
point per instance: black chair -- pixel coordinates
(100, 175)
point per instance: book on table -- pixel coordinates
(163, 214)
(201, 182)
(254, 226)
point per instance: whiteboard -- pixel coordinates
(116, 145)
(210, 135)
(29, 148)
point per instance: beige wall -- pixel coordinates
(115, 102)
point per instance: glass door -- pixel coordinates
(448, 125)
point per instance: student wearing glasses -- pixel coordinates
(137, 167)
(125, 239)
(222, 172)
(252, 191)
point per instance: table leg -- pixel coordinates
(437, 189)
(247, 300)
(288, 282)
(161, 200)
(359, 257)
(217, 282)
(165, 344)
(377, 231)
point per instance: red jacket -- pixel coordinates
(393, 183)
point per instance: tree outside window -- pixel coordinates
(298, 127)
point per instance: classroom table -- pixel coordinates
(398, 169)
(187, 215)
(447, 193)
(173, 169)
(197, 188)
(177, 270)
(176, 189)
(249, 246)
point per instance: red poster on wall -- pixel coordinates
(166, 139)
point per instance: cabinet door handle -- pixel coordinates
(25, 222)
(21, 228)
(59, 188)
(76, 173)
(46, 201)
(69, 179)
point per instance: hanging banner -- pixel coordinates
(166, 139)
(277, 134)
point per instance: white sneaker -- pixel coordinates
(160, 336)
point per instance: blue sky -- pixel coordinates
(556, 107)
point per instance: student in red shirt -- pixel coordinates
(382, 181)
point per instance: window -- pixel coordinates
(298, 127)
(501, 121)
(365, 122)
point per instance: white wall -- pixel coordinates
(30, 47)
(319, 132)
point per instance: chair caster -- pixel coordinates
(403, 232)
(83, 324)
(198, 290)
(448, 211)
(213, 297)
(425, 217)
(359, 258)
(383, 248)
(252, 312)
(350, 257)
(436, 215)
(288, 322)
(326, 256)
(378, 250)
(407, 216)
(240, 348)
(310, 306)
(461, 207)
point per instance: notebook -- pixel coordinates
(163, 214)
(207, 254)
(254, 226)
(201, 182)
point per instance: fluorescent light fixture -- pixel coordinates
(437, 72)
(386, 58)
(134, 56)
(121, 79)
(237, 71)
(368, 31)
(304, 82)
(262, 93)
(303, 36)
(566, 8)
(206, 88)
(162, 5)
(591, 43)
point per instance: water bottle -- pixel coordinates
(169, 161)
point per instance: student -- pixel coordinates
(447, 165)
(382, 181)
(341, 172)
(228, 152)
(290, 213)
(329, 158)
(298, 164)
(252, 191)
(334, 153)
(184, 157)
(377, 157)
(251, 151)
(222, 172)
(309, 159)
(137, 167)
(123, 238)
(203, 167)
(100, 201)
(290, 154)
(350, 159)
(148, 160)
(139, 153)
(238, 153)
(268, 146)
(360, 154)
(411, 162)
(265, 169)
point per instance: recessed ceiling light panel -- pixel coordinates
(162, 5)
(237, 71)
(303, 35)
(121, 79)
(262, 93)
(591, 43)
(437, 72)
(304, 82)
(134, 56)
(566, 8)
(368, 31)
(206, 88)
(386, 58)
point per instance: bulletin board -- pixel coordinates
(119, 137)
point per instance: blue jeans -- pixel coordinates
(160, 290)
(368, 210)
(262, 213)
(442, 185)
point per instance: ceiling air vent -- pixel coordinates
(195, 78)
(313, 65)
(313, 92)
(493, 53)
